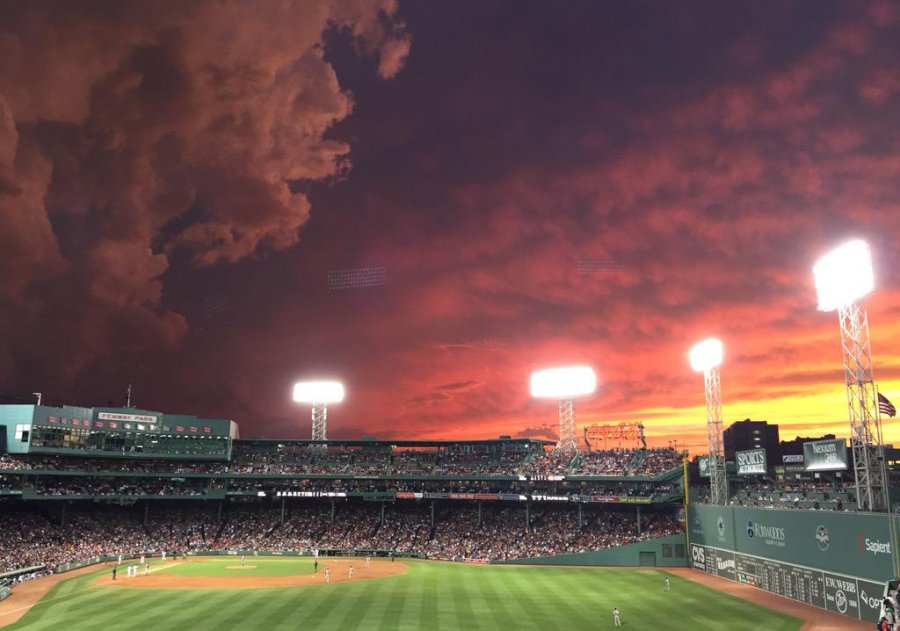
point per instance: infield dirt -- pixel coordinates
(340, 570)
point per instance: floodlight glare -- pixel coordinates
(318, 392)
(707, 354)
(844, 275)
(563, 383)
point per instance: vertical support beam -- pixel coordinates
(717, 479)
(869, 466)
(528, 515)
(432, 514)
(62, 516)
(479, 514)
(567, 440)
(580, 516)
(331, 518)
(638, 507)
(146, 512)
(319, 422)
(282, 511)
(382, 514)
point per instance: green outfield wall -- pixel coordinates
(839, 561)
(667, 551)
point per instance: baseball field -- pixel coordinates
(284, 593)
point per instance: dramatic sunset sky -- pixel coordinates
(544, 183)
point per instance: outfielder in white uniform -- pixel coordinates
(666, 585)
(617, 621)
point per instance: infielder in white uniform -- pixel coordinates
(327, 575)
(350, 573)
(368, 560)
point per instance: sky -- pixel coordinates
(538, 184)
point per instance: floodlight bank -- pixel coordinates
(563, 383)
(318, 392)
(707, 354)
(844, 275)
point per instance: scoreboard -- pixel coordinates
(848, 595)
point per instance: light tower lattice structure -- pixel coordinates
(567, 425)
(706, 357)
(319, 394)
(565, 385)
(843, 277)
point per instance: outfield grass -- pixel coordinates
(430, 596)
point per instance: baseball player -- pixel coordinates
(368, 561)
(350, 573)
(242, 560)
(120, 559)
(164, 556)
(327, 575)
(142, 559)
(146, 569)
(316, 566)
(617, 620)
(114, 572)
(666, 585)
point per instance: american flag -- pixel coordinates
(886, 407)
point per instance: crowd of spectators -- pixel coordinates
(626, 462)
(835, 496)
(503, 533)
(38, 536)
(299, 459)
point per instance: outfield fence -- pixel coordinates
(839, 561)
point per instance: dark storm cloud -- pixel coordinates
(133, 134)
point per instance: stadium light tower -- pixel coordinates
(843, 278)
(706, 357)
(564, 384)
(319, 394)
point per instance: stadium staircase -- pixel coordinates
(635, 463)
(576, 462)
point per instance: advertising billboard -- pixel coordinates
(703, 463)
(750, 462)
(825, 455)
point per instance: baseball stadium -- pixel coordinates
(123, 516)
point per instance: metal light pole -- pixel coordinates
(564, 384)
(706, 357)
(843, 277)
(567, 425)
(319, 394)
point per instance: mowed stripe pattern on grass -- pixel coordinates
(431, 596)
